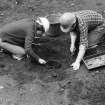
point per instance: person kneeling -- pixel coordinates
(17, 37)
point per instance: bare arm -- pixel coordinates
(73, 39)
(83, 44)
(81, 53)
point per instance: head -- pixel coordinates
(67, 20)
(42, 26)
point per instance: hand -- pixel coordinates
(75, 65)
(42, 61)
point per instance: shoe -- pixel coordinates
(1, 50)
(17, 57)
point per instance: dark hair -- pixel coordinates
(39, 27)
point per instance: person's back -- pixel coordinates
(16, 31)
(90, 18)
(15, 26)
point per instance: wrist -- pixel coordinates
(39, 59)
(78, 61)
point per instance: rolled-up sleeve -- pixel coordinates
(83, 33)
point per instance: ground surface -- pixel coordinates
(27, 83)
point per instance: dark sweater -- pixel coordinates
(20, 33)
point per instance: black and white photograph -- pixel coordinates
(52, 52)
